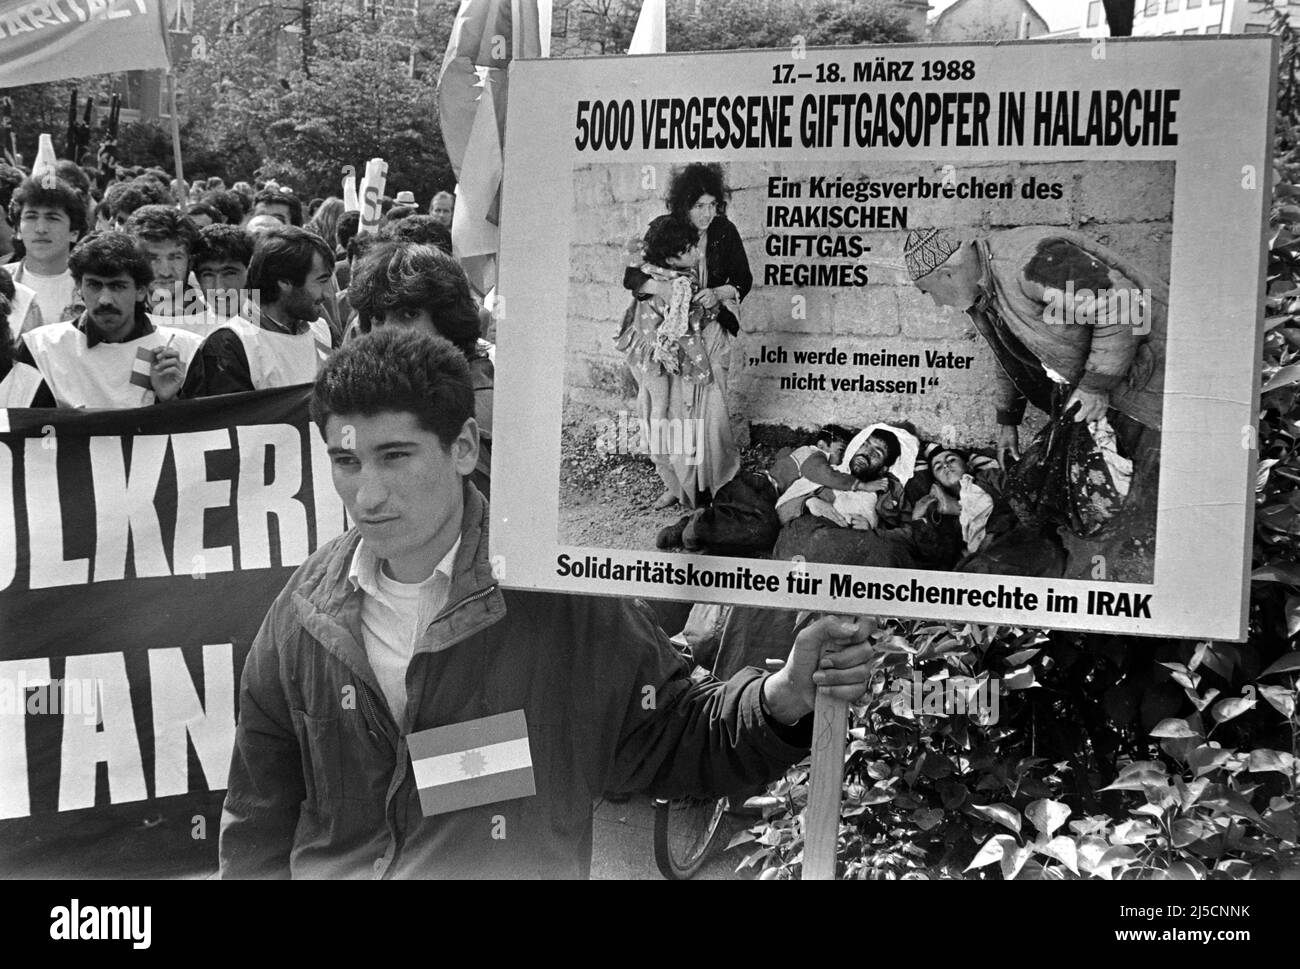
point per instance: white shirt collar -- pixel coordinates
(364, 570)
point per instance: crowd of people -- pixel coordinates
(125, 296)
(131, 299)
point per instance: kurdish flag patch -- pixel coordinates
(469, 764)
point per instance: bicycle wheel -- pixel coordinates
(685, 830)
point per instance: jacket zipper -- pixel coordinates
(372, 716)
(473, 596)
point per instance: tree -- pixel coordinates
(606, 26)
(297, 93)
(734, 24)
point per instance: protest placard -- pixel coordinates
(964, 247)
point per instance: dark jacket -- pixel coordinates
(725, 264)
(321, 783)
(1126, 361)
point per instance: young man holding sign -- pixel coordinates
(402, 715)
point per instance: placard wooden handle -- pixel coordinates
(825, 785)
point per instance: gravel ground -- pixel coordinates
(606, 499)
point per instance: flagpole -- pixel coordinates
(176, 137)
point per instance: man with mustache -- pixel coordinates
(111, 355)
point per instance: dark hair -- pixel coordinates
(284, 253)
(347, 229)
(123, 198)
(73, 174)
(202, 208)
(399, 212)
(361, 244)
(49, 193)
(667, 236)
(397, 370)
(245, 193)
(229, 204)
(275, 196)
(216, 184)
(939, 449)
(162, 223)
(10, 179)
(325, 223)
(421, 229)
(406, 275)
(689, 183)
(110, 253)
(833, 433)
(313, 205)
(7, 292)
(221, 243)
(892, 448)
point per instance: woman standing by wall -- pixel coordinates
(698, 194)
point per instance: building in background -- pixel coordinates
(1167, 18)
(973, 20)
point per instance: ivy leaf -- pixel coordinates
(992, 850)
(1116, 856)
(1283, 378)
(1022, 656)
(1063, 850)
(1278, 572)
(1289, 663)
(741, 838)
(1281, 699)
(1047, 815)
(927, 818)
(1132, 833)
(1206, 758)
(1263, 760)
(1173, 728)
(1003, 814)
(1232, 708)
(1013, 859)
(1020, 679)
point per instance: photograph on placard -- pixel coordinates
(963, 383)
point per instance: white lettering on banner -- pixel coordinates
(45, 522)
(116, 744)
(178, 713)
(195, 493)
(15, 796)
(124, 506)
(130, 532)
(8, 521)
(259, 499)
